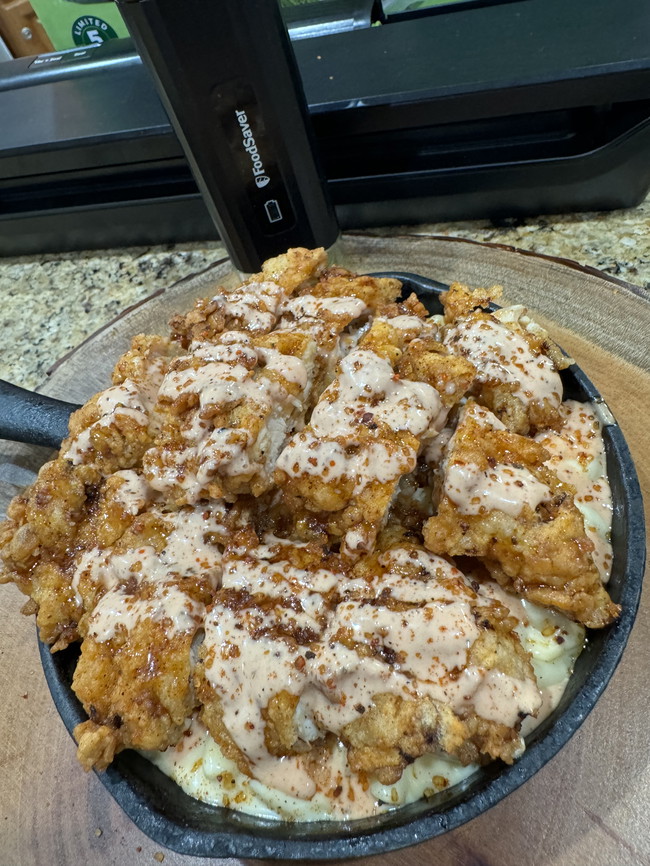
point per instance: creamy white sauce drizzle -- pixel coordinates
(133, 494)
(189, 550)
(253, 306)
(223, 376)
(365, 391)
(422, 647)
(168, 604)
(502, 488)
(501, 354)
(126, 400)
(578, 458)
(132, 399)
(312, 307)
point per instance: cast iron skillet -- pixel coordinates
(170, 817)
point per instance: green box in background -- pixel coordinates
(69, 23)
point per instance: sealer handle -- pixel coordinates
(227, 76)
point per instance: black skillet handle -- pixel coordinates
(227, 76)
(33, 418)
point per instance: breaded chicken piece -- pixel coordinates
(67, 512)
(253, 307)
(297, 270)
(517, 365)
(501, 504)
(256, 305)
(296, 650)
(365, 433)
(394, 732)
(432, 711)
(334, 324)
(134, 673)
(145, 600)
(115, 427)
(228, 408)
(375, 292)
(37, 542)
(273, 604)
(427, 360)
(336, 311)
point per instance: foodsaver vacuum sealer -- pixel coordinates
(496, 111)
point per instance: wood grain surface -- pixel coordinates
(589, 805)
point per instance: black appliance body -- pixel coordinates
(491, 111)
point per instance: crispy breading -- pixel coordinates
(375, 292)
(256, 305)
(297, 269)
(516, 363)
(410, 306)
(394, 732)
(115, 427)
(253, 307)
(135, 682)
(228, 408)
(281, 733)
(459, 301)
(211, 714)
(542, 552)
(38, 542)
(427, 360)
(367, 430)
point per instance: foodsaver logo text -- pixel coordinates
(248, 140)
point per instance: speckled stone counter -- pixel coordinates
(51, 303)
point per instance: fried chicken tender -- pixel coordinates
(366, 431)
(336, 309)
(394, 732)
(333, 324)
(134, 673)
(145, 601)
(501, 504)
(68, 511)
(228, 408)
(296, 270)
(37, 542)
(253, 307)
(272, 606)
(517, 367)
(375, 292)
(427, 360)
(115, 427)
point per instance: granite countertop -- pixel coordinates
(51, 303)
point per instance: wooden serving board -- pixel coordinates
(588, 805)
